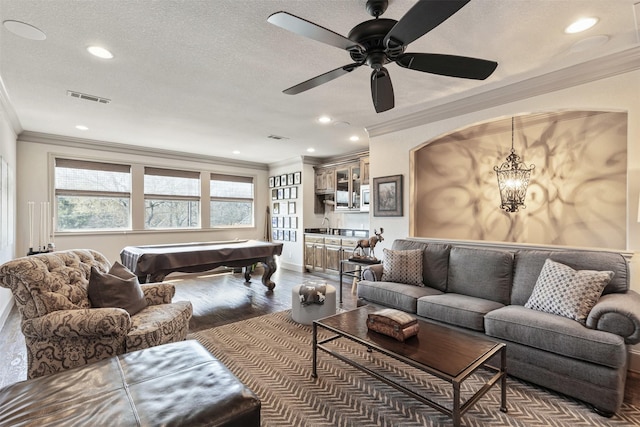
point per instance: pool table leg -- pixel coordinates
(269, 268)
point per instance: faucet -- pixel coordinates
(328, 226)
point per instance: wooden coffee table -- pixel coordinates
(443, 352)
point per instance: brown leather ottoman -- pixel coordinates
(178, 384)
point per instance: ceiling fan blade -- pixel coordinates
(321, 79)
(423, 17)
(313, 31)
(382, 90)
(448, 65)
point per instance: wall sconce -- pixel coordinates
(513, 180)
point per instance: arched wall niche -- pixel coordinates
(576, 197)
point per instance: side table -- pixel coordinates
(357, 273)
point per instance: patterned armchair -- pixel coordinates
(61, 329)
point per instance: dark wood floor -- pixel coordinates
(217, 300)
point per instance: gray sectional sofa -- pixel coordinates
(484, 290)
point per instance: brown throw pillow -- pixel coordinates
(118, 288)
(403, 266)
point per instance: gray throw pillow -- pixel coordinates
(403, 266)
(118, 288)
(567, 292)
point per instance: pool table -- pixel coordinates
(155, 262)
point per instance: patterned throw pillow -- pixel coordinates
(403, 266)
(567, 292)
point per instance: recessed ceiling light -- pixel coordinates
(82, 127)
(24, 30)
(100, 52)
(324, 119)
(311, 150)
(236, 152)
(580, 25)
(354, 138)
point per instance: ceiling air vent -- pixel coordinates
(277, 137)
(86, 97)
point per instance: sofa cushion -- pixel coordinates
(403, 266)
(395, 295)
(118, 288)
(567, 292)
(556, 334)
(435, 261)
(481, 273)
(455, 309)
(159, 324)
(528, 264)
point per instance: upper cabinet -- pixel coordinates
(348, 186)
(340, 182)
(325, 180)
(364, 169)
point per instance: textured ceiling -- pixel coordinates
(206, 76)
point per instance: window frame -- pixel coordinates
(172, 173)
(136, 196)
(60, 161)
(233, 178)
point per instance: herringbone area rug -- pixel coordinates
(272, 355)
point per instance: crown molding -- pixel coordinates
(293, 161)
(608, 66)
(65, 141)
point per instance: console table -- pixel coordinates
(357, 273)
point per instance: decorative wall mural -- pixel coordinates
(577, 194)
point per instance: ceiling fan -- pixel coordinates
(380, 41)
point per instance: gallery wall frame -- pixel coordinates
(387, 196)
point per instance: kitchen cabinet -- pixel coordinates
(364, 170)
(314, 253)
(323, 254)
(332, 253)
(348, 181)
(325, 181)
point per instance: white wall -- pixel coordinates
(8, 153)
(34, 184)
(619, 93)
(292, 257)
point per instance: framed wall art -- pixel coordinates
(387, 196)
(297, 178)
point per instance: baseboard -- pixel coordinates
(634, 359)
(293, 267)
(4, 315)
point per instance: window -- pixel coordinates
(92, 195)
(231, 201)
(171, 198)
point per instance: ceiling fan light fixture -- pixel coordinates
(100, 52)
(581, 25)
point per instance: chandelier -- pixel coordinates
(513, 180)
